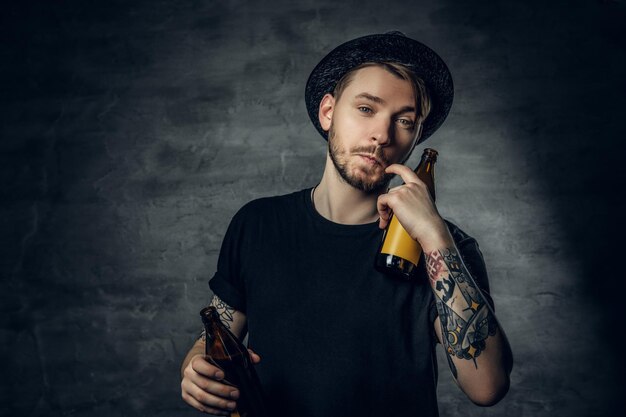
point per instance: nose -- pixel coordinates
(382, 132)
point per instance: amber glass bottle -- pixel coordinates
(225, 351)
(398, 253)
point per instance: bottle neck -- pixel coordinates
(221, 343)
(426, 170)
(211, 320)
(426, 166)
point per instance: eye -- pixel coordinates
(406, 123)
(364, 109)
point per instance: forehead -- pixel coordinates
(381, 83)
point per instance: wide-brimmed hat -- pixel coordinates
(386, 47)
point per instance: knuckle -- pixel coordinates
(200, 383)
(205, 384)
(196, 360)
(225, 404)
(206, 398)
(187, 386)
(215, 401)
(225, 390)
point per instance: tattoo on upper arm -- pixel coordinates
(226, 312)
(466, 318)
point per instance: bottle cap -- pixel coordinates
(430, 153)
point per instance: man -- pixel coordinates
(296, 272)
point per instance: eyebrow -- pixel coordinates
(379, 100)
(370, 97)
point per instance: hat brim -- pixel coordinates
(419, 58)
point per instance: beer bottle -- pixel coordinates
(398, 254)
(225, 351)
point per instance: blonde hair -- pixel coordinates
(422, 98)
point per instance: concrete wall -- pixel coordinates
(132, 131)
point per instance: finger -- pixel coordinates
(209, 399)
(214, 387)
(254, 357)
(405, 172)
(384, 211)
(202, 366)
(200, 407)
(382, 223)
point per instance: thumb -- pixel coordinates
(384, 211)
(254, 357)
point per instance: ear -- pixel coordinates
(325, 114)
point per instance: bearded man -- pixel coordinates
(296, 272)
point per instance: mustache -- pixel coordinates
(375, 151)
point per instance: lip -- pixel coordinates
(370, 159)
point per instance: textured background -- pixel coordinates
(132, 131)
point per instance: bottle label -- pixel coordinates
(399, 243)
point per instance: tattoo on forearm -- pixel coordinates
(466, 319)
(226, 311)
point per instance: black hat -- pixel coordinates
(387, 47)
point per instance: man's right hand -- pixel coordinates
(203, 389)
(202, 383)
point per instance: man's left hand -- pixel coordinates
(414, 208)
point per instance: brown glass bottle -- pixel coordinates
(225, 351)
(398, 254)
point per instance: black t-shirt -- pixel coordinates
(336, 337)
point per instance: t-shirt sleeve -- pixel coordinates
(228, 281)
(473, 260)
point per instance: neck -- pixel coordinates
(339, 202)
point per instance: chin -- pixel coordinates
(367, 183)
(365, 177)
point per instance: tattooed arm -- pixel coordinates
(478, 353)
(477, 350)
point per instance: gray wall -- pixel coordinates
(132, 131)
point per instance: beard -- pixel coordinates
(364, 183)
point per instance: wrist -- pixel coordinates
(436, 237)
